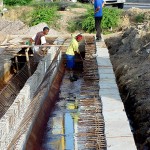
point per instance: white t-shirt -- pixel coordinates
(43, 39)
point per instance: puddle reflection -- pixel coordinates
(62, 126)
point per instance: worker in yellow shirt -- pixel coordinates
(70, 54)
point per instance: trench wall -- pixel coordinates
(10, 122)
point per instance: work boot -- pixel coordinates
(72, 79)
(75, 76)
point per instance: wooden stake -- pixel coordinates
(16, 61)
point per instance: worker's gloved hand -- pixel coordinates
(76, 52)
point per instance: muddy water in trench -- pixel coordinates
(62, 126)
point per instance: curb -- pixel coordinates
(143, 4)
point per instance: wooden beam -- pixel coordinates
(22, 54)
(28, 46)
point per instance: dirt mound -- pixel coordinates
(130, 55)
(33, 30)
(11, 27)
(19, 28)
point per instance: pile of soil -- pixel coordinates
(18, 28)
(130, 56)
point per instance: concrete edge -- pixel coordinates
(117, 129)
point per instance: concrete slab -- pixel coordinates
(107, 76)
(120, 143)
(119, 129)
(108, 86)
(116, 102)
(103, 61)
(105, 70)
(102, 52)
(109, 92)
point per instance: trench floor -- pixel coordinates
(62, 126)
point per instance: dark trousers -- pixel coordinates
(98, 26)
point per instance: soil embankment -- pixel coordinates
(130, 56)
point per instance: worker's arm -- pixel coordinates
(75, 47)
(98, 6)
(97, 9)
(31, 41)
(103, 3)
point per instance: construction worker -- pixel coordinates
(39, 39)
(70, 55)
(98, 15)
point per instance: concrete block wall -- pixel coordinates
(117, 129)
(10, 122)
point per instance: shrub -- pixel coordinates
(140, 18)
(88, 23)
(44, 14)
(111, 18)
(74, 25)
(16, 2)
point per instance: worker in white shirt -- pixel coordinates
(39, 39)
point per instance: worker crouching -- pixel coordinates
(70, 55)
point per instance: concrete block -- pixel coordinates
(109, 85)
(107, 76)
(105, 70)
(102, 52)
(118, 128)
(109, 92)
(108, 102)
(120, 143)
(104, 61)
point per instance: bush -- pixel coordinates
(88, 23)
(44, 14)
(140, 18)
(74, 25)
(111, 18)
(16, 2)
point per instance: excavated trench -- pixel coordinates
(18, 73)
(71, 115)
(132, 77)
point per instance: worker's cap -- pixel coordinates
(79, 37)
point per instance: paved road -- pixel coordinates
(141, 6)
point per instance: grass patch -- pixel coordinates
(111, 19)
(41, 13)
(17, 2)
(44, 14)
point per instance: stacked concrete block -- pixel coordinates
(117, 128)
(10, 122)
